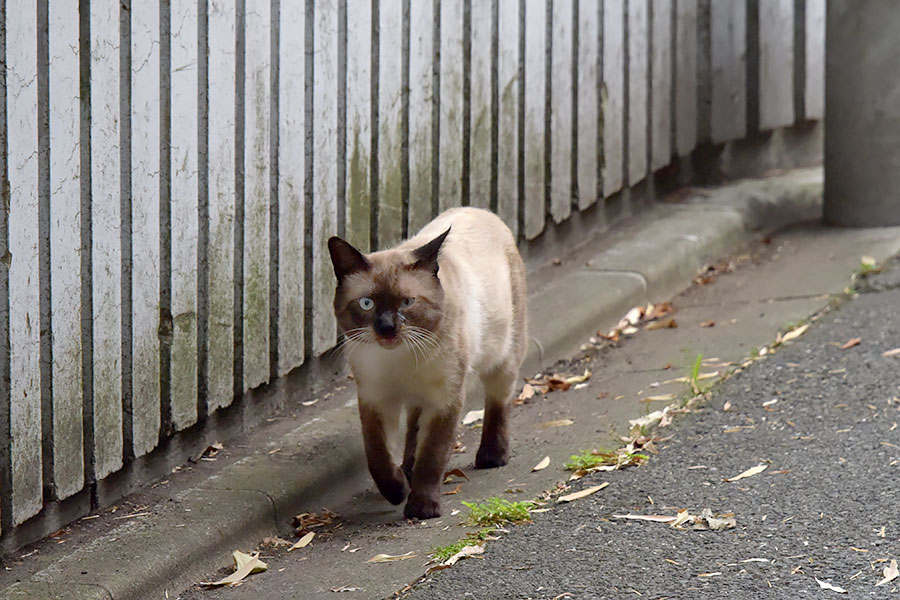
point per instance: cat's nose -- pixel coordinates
(385, 324)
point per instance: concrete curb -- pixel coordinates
(246, 501)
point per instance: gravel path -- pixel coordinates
(825, 422)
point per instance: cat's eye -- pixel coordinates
(407, 302)
(366, 303)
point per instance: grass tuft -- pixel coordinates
(442, 553)
(590, 459)
(496, 511)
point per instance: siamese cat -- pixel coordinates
(419, 319)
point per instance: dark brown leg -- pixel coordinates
(412, 436)
(390, 480)
(431, 462)
(498, 391)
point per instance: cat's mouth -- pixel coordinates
(388, 342)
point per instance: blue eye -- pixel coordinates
(407, 302)
(366, 303)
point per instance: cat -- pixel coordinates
(417, 320)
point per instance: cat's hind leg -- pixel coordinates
(499, 387)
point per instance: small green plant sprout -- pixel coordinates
(591, 461)
(497, 511)
(867, 265)
(443, 553)
(694, 376)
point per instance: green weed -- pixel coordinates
(590, 459)
(496, 511)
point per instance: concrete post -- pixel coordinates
(862, 113)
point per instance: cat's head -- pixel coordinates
(391, 297)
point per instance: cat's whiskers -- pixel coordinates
(411, 348)
(417, 346)
(425, 340)
(351, 340)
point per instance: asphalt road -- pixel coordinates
(825, 422)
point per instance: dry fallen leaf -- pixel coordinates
(579, 378)
(663, 324)
(557, 423)
(850, 343)
(891, 353)
(793, 334)
(660, 398)
(304, 522)
(749, 473)
(708, 324)
(541, 465)
(652, 518)
(244, 564)
(455, 490)
(455, 472)
(890, 573)
(473, 416)
(304, 541)
(583, 493)
(827, 586)
(466, 552)
(527, 393)
(383, 558)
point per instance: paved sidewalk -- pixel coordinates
(821, 414)
(181, 530)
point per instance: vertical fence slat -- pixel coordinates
(815, 59)
(613, 95)
(105, 237)
(65, 250)
(256, 195)
(145, 226)
(359, 124)
(480, 149)
(421, 151)
(508, 83)
(728, 75)
(324, 182)
(221, 251)
(184, 214)
(561, 89)
(291, 172)
(661, 85)
(451, 85)
(535, 86)
(390, 135)
(638, 65)
(24, 316)
(685, 77)
(776, 63)
(588, 118)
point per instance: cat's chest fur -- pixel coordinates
(399, 375)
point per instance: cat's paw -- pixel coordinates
(422, 506)
(489, 457)
(394, 490)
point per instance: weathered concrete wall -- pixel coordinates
(862, 143)
(173, 177)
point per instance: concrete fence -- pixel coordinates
(172, 170)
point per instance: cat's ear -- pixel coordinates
(427, 255)
(345, 258)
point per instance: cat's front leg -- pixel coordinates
(390, 480)
(437, 431)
